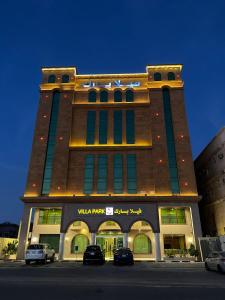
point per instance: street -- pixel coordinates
(70, 280)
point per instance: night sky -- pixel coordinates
(119, 36)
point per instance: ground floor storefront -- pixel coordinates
(152, 230)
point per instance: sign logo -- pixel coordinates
(109, 211)
(115, 83)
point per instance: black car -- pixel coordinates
(123, 256)
(93, 254)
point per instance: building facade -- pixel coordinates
(111, 164)
(210, 175)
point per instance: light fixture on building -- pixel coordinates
(41, 138)
(186, 183)
(44, 116)
(34, 185)
(183, 160)
(160, 161)
(60, 138)
(58, 188)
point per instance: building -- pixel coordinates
(9, 230)
(111, 164)
(210, 175)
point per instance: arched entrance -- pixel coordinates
(141, 240)
(77, 238)
(109, 237)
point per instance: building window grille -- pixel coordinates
(103, 96)
(51, 78)
(129, 96)
(103, 127)
(171, 151)
(171, 76)
(102, 174)
(173, 216)
(130, 127)
(92, 96)
(65, 78)
(88, 174)
(131, 174)
(157, 76)
(51, 144)
(117, 96)
(118, 127)
(90, 132)
(118, 173)
(50, 216)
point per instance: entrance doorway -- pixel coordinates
(109, 238)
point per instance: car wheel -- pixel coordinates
(84, 262)
(207, 267)
(220, 269)
(52, 258)
(27, 262)
(44, 261)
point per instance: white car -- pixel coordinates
(215, 261)
(39, 252)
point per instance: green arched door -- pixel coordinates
(79, 243)
(142, 244)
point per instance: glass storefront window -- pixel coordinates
(50, 216)
(173, 216)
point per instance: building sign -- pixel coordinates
(110, 211)
(115, 83)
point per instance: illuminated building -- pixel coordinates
(111, 164)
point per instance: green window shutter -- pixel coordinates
(65, 78)
(129, 96)
(90, 132)
(118, 173)
(102, 174)
(118, 125)
(142, 244)
(79, 242)
(103, 96)
(103, 127)
(171, 151)
(51, 78)
(131, 174)
(88, 174)
(130, 127)
(117, 96)
(157, 76)
(171, 76)
(92, 96)
(51, 144)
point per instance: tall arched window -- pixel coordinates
(171, 76)
(65, 78)
(142, 244)
(79, 243)
(103, 96)
(117, 96)
(92, 95)
(51, 78)
(157, 76)
(129, 96)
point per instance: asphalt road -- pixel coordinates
(73, 281)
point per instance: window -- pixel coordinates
(173, 216)
(90, 132)
(129, 96)
(92, 96)
(131, 174)
(51, 239)
(142, 244)
(117, 96)
(88, 174)
(174, 241)
(171, 151)
(50, 216)
(157, 76)
(117, 127)
(65, 78)
(171, 76)
(51, 78)
(103, 96)
(102, 174)
(118, 173)
(51, 144)
(79, 243)
(103, 127)
(130, 127)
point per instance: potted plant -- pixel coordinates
(193, 251)
(10, 250)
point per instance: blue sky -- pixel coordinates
(103, 37)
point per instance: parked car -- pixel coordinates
(93, 253)
(39, 253)
(123, 256)
(215, 261)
